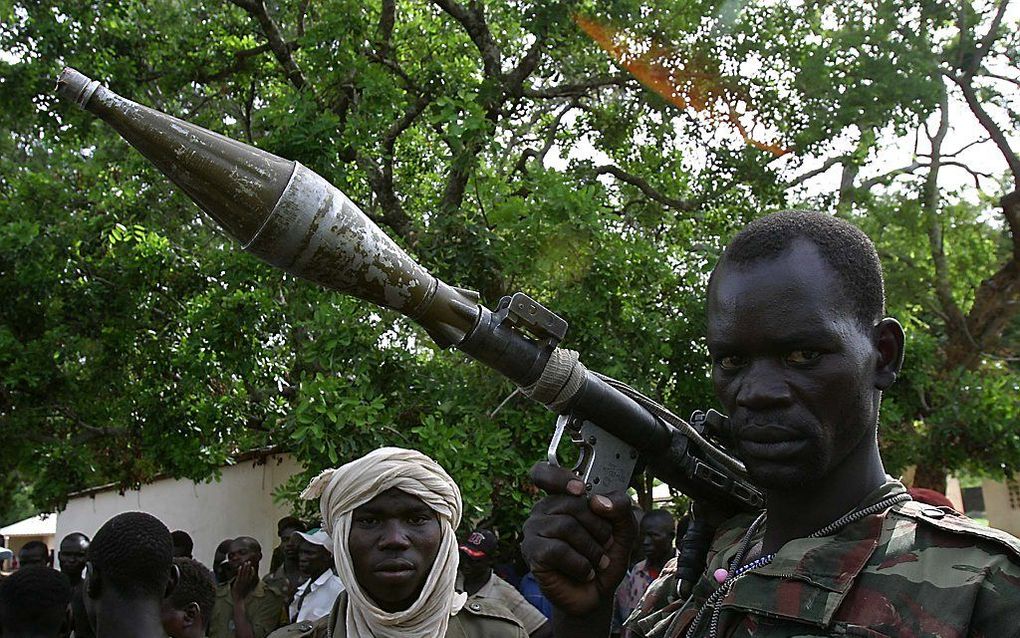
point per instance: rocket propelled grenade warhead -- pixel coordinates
(282, 212)
(292, 218)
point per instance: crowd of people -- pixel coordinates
(137, 578)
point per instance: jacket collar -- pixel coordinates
(809, 577)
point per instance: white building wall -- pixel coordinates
(239, 504)
(1002, 504)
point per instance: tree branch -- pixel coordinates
(387, 20)
(473, 22)
(381, 181)
(550, 139)
(302, 12)
(886, 177)
(963, 148)
(577, 89)
(682, 205)
(982, 49)
(282, 50)
(1004, 78)
(956, 325)
(526, 66)
(826, 165)
(410, 115)
(973, 173)
(240, 61)
(1011, 210)
(994, 132)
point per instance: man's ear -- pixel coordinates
(171, 584)
(192, 614)
(93, 582)
(888, 338)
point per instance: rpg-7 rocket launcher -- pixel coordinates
(292, 218)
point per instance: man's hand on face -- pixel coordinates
(244, 582)
(578, 549)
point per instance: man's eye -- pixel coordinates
(800, 357)
(365, 521)
(731, 362)
(420, 520)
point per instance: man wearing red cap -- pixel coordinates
(477, 580)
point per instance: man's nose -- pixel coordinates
(394, 536)
(764, 386)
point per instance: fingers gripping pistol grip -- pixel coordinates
(605, 463)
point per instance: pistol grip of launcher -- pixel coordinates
(605, 463)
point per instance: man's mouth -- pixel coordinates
(772, 450)
(395, 566)
(769, 434)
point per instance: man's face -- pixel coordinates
(792, 366)
(72, 555)
(33, 556)
(290, 542)
(243, 551)
(313, 559)
(474, 568)
(394, 542)
(657, 539)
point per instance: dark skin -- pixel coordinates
(71, 556)
(476, 572)
(111, 613)
(803, 396)
(221, 567)
(244, 557)
(34, 555)
(656, 533)
(313, 560)
(801, 380)
(182, 623)
(290, 542)
(394, 541)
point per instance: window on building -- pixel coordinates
(1013, 487)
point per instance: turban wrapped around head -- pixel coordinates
(345, 488)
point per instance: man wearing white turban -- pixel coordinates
(392, 515)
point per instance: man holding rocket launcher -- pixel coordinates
(822, 391)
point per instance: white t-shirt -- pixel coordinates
(313, 600)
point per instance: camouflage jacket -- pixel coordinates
(914, 570)
(480, 618)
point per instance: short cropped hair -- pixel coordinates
(34, 598)
(290, 522)
(252, 543)
(183, 540)
(843, 246)
(31, 545)
(133, 553)
(659, 517)
(73, 535)
(196, 585)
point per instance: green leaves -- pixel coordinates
(136, 340)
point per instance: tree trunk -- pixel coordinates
(930, 476)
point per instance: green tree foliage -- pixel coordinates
(507, 151)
